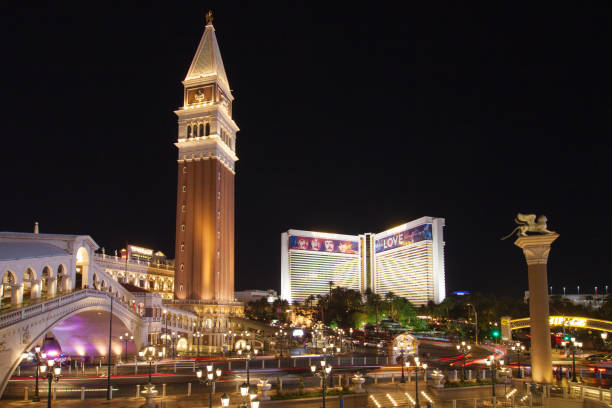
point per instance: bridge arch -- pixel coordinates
(30, 324)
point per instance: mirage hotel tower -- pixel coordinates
(204, 279)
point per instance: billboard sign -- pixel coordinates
(323, 245)
(404, 238)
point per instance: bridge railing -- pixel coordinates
(16, 316)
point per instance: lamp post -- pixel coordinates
(38, 358)
(281, 334)
(52, 374)
(173, 340)
(249, 354)
(492, 363)
(126, 338)
(417, 364)
(166, 331)
(210, 380)
(402, 349)
(324, 372)
(573, 345)
(198, 335)
(518, 347)
(464, 349)
(150, 356)
(476, 318)
(225, 400)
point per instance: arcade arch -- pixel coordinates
(82, 267)
(8, 290)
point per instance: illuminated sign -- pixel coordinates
(139, 250)
(323, 245)
(404, 238)
(568, 321)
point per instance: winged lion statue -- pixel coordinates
(529, 223)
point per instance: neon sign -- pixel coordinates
(567, 321)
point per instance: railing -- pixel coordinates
(584, 391)
(35, 310)
(202, 302)
(122, 262)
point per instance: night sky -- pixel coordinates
(352, 120)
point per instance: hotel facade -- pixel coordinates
(407, 260)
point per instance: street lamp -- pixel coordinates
(198, 336)
(518, 347)
(249, 354)
(476, 317)
(573, 345)
(210, 380)
(464, 349)
(225, 400)
(173, 340)
(38, 358)
(52, 374)
(150, 356)
(417, 364)
(402, 349)
(281, 334)
(166, 332)
(492, 363)
(324, 372)
(126, 338)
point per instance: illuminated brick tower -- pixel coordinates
(205, 194)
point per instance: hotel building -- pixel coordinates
(407, 260)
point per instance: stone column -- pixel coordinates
(51, 286)
(16, 294)
(536, 249)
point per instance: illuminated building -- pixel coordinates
(206, 142)
(407, 260)
(205, 190)
(311, 260)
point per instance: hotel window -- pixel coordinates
(182, 267)
(207, 129)
(218, 195)
(188, 132)
(182, 227)
(184, 169)
(201, 129)
(183, 208)
(182, 247)
(184, 189)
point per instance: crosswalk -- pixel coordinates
(396, 399)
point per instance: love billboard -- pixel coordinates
(404, 238)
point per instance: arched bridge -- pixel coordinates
(568, 321)
(22, 328)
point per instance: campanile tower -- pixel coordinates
(206, 168)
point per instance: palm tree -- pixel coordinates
(390, 298)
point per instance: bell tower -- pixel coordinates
(205, 190)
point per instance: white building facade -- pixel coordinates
(407, 260)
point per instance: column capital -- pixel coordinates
(536, 247)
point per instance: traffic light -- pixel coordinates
(566, 337)
(495, 333)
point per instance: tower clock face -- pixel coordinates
(199, 95)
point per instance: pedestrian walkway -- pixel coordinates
(162, 402)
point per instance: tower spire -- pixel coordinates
(207, 64)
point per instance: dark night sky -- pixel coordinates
(352, 120)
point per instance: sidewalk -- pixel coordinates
(162, 402)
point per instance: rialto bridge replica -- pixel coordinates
(57, 286)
